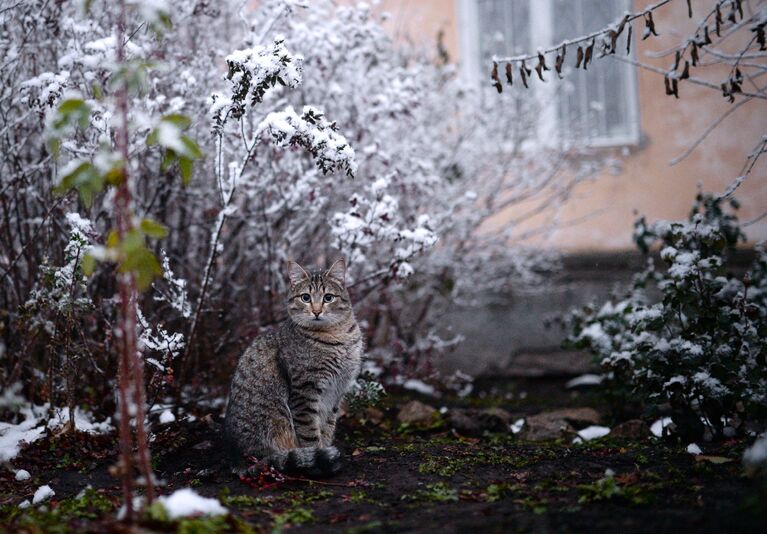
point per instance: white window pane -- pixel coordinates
(595, 105)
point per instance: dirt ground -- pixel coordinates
(409, 478)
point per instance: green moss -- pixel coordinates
(299, 497)
(608, 489)
(294, 516)
(367, 527)
(88, 505)
(243, 501)
(496, 492)
(438, 492)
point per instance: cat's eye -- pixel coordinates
(306, 297)
(329, 298)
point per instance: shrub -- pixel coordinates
(700, 347)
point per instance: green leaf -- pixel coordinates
(88, 264)
(55, 145)
(182, 121)
(153, 228)
(85, 178)
(193, 150)
(72, 111)
(185, 165)
(113, 239)
(143, 264)
(132, 241)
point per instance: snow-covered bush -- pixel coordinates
(321, 137)
(701, 346)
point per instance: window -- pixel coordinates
(599, 106)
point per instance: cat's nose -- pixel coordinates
(317, 313)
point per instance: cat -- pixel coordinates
(288, 385)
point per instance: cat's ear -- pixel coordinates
(296, 273)
(337, 271)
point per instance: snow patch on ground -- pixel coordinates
(12, 435)
(43, 493)
(84, 421)
(31, 428)
(413, 384)
(584, 380)
(516, 426)
(693, 448)
(658, 426)
(186, 502)
(756, 454)
(593, 432)
(22, 475)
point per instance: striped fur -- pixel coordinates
(288, 385)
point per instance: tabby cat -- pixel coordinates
(286, 390)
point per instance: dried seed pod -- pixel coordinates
(541, 66)
(686, 71)
(694, 54)
(588, 54)
(523, 72)
(495, 78)
(628, 40)
(689, 8)
(508, 74)
(579, 58)
(649, 25)
(560, 61)
(761, 38)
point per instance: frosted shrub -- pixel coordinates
(701, 346)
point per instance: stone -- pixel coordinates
(542, 427)
(558, 423)
(578, 417)
(416, 413)
(471, 422)
(631, 429)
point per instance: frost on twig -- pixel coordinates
(313, 132)
(252, 72)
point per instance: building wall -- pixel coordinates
(646, 184)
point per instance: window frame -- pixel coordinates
(474, 72)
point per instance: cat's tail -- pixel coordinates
(310, 461)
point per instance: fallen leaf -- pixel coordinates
(712, 459)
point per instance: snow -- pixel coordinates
(25, 504)
(12, 435)
(186, 502)
(516, 426)
(658, 426)
(693, 448)
(597, 336)
(84, 421)
(43, 493)
(587, 379)
(756, 454)
(312, 131)
(709, 384)
(593, 432)
(31, 428)
(413, 384)
(167, 417)
(22, 475)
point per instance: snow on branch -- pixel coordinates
(313, 132)
(252, 72)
